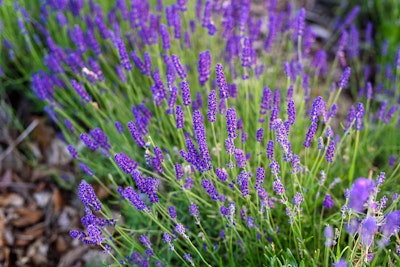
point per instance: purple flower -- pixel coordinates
(328, 233)
(243, 182)
(266, 101)
(278, 187)
(221, 81)
(352, 15)
(136, 134)
(390, 114)
(167, 238)
(316, 109)
(350, 118)
(301, 18)
(204, 67)
(260, 135)
(270, 149)
(380, 179)
(260, 174)
(158, 89)
(188, 258)
(229, 145)
(133, 197)
(341, 263)
(206, 14)
(246, 53)
(330, 152)
(177, 26)
(382, 110)
(172, 99)
(87, 195)
(178, 171)
(100, 137)
(165, 37)
(126, 164)
(212, 106)
(345, 78)
(231, 123)
(359, 116)
(81, 91)
(72, 151)
(194, 210)
(180, 229)
(179, 117)
(359, 193)
(240, 158)
(77, 37)
(89, 142)
(272, 23)
(201, 140)
(95, 234)
(367, 230)
(178, 67)
(391, 223)
(139, 64)
(221, 174)
(244, 137)
(291, 111)
(319, 62)
(185, 93)
(224, 211)
(354, 42)
(210, 189)
(172, 212)
(188, 183)
(298, 199)
(123, 55)
(275, 169)
(69, 126)
(145, 241)
(310, 134)
(328, 201)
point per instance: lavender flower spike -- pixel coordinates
(87, 195)
(221, 81)
(231, 123)
(330, 152)
(185, 93)
(136, 134)
(204, 67)
(123, 55)
(179, 117)
(81, 91)
(178, 67)
(345, 78)
(86, 169)
(133, 197)
(210, 189)
(93, 145)
(301, 22)
(212, 106)
(127, 164)
(310, 134)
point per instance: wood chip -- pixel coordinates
(11, 200)
(72, 256)
(27, 217)
(58, 201)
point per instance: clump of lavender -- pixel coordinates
(188, 191)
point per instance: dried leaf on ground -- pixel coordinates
(27, 217)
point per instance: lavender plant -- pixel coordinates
(217, 135)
